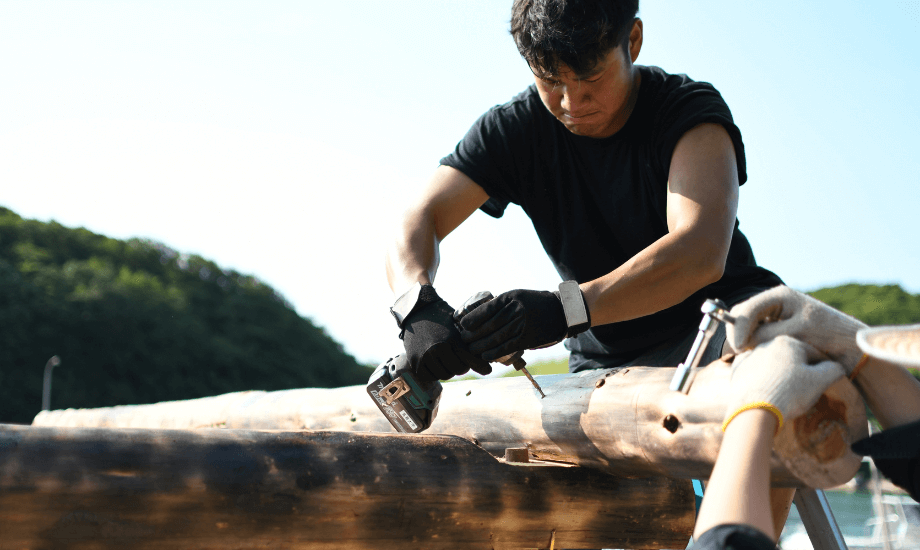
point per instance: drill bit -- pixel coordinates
(518, 363)
(512, 359)
(534, 382)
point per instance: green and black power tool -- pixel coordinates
(411, 405)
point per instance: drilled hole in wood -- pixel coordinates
(671, 423)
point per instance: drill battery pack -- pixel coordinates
(410, 406)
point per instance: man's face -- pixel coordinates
(594, 105)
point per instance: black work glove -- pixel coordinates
(514, 321)
(433, 343)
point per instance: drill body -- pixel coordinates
(410, 405)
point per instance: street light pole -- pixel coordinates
(46, 387)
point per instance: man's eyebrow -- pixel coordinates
(592, 74)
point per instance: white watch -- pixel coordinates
(573, 304)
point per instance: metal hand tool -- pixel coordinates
(812, 505)
(714, 312)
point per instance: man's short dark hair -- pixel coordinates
(578, 33)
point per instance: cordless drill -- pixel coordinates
(408, 403)
(412, 405)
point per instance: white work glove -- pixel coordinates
(782, 310)
(784, 376)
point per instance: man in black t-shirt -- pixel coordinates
(630, 176)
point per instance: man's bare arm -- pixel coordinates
(701, 210)
(413, 256)
(890, 391)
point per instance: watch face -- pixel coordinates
(573, 304)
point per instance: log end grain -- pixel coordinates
(815, 447)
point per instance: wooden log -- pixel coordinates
(183, 489)
(624, 421)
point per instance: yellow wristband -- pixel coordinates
(862, 363)
(757, 405)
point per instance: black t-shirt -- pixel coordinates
(733, 537)
(896, 452)
(595, 203)
(903, 472)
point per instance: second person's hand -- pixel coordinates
(784, 376)
(784, 311)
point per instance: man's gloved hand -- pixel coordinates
(784, 376)
(432, 341)
(782, 310)
(514, 321)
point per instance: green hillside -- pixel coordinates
(136, 322)
(873, 304)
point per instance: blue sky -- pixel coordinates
(282, 139)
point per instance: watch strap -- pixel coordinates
(573, 305)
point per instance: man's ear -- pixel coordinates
(635, 39)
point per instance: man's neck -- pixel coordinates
(624, 115)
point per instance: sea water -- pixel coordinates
(852, 510)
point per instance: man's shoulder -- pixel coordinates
(669, 105)
(671, 102)
(524, 105)
(515, 121)
(661, 84)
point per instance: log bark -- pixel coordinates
(181, 489)
(623, 421)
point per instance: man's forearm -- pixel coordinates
(448, 199)
(890, 391)
(664, 274)
(701, 209)
(413, 256)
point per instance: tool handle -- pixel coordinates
(714, 312)
(515, 360)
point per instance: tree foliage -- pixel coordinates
(873, 304)
(136, 322)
